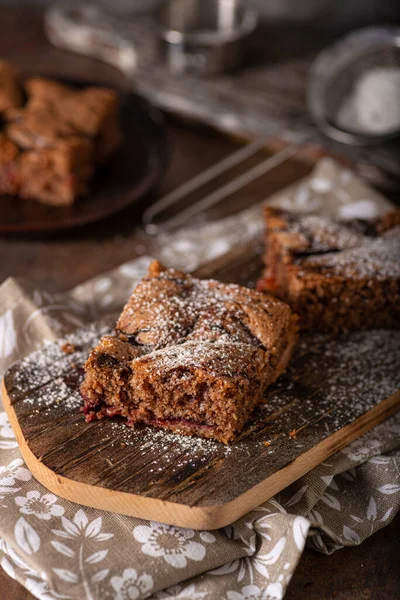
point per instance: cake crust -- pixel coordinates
(57, 175)
(337, 276)
(188, 355)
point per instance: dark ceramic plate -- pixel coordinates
(133, 171)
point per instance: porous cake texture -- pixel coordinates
(190, 356)
(336, 275)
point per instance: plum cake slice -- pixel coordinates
(188, 355)
(336, 275)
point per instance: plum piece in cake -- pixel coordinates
(336, 275)
(191, 356)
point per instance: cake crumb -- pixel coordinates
(68, 348)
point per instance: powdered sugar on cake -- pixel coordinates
(326, 233)
(347, 393)
(379, 259)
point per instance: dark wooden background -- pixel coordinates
(58, 262)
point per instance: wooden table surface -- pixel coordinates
(59, 262)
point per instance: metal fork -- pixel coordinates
(150, 215)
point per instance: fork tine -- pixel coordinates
(204, 177)
(226, 190)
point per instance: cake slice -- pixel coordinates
(54, 176)
(91, 111)
(191, 356)
(57, 176)
(49, 146)
(336, 275)
(36, 129)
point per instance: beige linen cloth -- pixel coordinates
(60, 550)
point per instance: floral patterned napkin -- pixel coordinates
(60, 550)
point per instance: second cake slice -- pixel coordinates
(336, 275)
(188, 355)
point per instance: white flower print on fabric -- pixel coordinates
(81, 532)
(131, 586)
(300, 531)
(390, 488)
(11, 561)
(7, 433)
(10, 474)
(248, 592)
(274, 591)
(42, 590)
(8, 337)
(262, 550)
(183, 593)
(81, 527)
(27, 537)
(174, 544)
(361, 449)
(16, 568)
(43, 507)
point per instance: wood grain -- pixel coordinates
(334, 390)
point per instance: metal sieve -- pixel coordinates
(337, 74)
(240, 103)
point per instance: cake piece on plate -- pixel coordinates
(55, 176)
(36, 129)
(336, 275)
(190, 356)
(10, 89)
(9, 172)
(58, 175)
(44, 93)
(91, 111)
(94, 112)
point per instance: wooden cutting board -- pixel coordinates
(334, 391)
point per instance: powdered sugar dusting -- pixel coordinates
(332, 190)
(358, 368)
(355, 373)
(194, 246)
(379, 260)
(323, 233)
(227, 359)
(182, 321)
(176, 449)
(49, 376)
